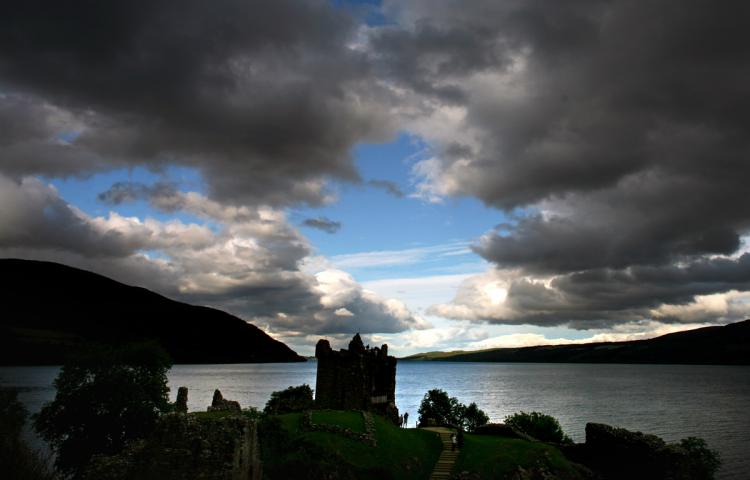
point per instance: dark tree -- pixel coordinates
(105, 398)
(702, 461)
(12, 416)
(473, 417)
(540, 426)
(17, 460)
(293, 399)
(446, 410)
(437, 405)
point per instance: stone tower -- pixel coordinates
(360, 378)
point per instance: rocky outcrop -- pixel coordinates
(187, 447)
(619, 454)
(220, 404)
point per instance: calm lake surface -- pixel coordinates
(672, 401)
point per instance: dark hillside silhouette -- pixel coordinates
(49, 309)
(726, 345)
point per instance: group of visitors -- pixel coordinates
(403, 420)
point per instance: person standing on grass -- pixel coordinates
(406, 419)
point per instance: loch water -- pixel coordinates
(671, 401)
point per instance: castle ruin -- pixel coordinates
(360, 378)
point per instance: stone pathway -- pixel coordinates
(447, 458)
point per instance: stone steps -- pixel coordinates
(447, 458)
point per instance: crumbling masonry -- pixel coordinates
(360, 378)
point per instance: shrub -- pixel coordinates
(17, 460)
(105, 398)
(293, 399)
(540, 426)
(13, 415)
(703, 462)
(252, 412)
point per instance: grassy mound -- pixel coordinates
(351, 420)
(290, 452)
(498, 457)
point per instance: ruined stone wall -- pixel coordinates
(359, 378)
(187, 447)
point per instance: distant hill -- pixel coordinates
(48, 310)
(726, 345)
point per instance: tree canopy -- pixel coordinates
(539, 425)
(293, 399)
(446, 410)
(105, 397)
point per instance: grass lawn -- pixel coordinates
(351, 420)
(404, 453)
(497, 457)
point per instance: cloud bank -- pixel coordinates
(265, 100)
(250, 266)
(611, 133)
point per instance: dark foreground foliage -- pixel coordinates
(105, 398)
(293, 399)
(285, 456)
(190, 446)
(538, 425)
(17, 460)
(620, 454)
(291, 451)
(703, 461)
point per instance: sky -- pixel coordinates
(436, 175)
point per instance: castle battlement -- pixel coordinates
(359, 378)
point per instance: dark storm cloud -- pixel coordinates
(264, 98)
(635, 111)
(323, 223)
(649, 286)
(32, 141)
(389, 187)
(646, 219)
(602, 298)
(254, 296)
(125, 192)
(610, 89)
(617, 128)
(32, 215)
(598, 298)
